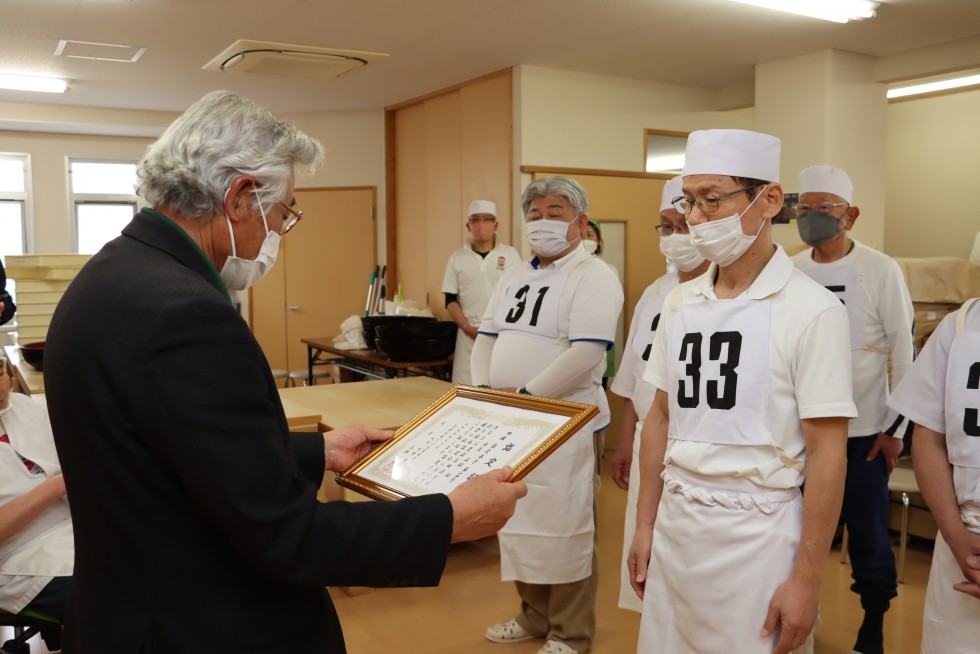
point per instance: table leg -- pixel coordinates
(310, 358)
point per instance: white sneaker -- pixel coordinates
(508, 631)
(556, 647)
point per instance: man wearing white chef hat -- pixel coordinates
(752, 368)
(471, 274)
(872, 289)
(676, 246)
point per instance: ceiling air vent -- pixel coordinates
(288, 60)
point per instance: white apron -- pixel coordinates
(46, 547)
(951, 619)
(726, 551)
(627, 596)
(549, 540)
(721, 545)
(461, 358)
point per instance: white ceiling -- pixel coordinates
(435, 43)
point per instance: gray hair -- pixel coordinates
(220, 137)
(564, 187)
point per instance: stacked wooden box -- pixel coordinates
(41, 281)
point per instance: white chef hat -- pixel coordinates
(672, 189)
(827, 179)
(735, 152)
(481, 206)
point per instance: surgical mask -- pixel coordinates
(590, 245)
(239, 274)
(548, 238)
(681, 252)
(723, 241)
(817, 228)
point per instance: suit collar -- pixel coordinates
(156, 230)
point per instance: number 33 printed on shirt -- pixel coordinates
(718, 372)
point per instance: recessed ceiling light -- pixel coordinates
(934, 87)
(838, 11)
(32, 83)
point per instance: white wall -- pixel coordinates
(49, 155)
(933, 172)
(354, 143)
(567, 119)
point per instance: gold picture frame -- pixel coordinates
(466, 432)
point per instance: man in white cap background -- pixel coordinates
(752, 367)
(941, 394)
(676, 246)
(471, 274)
(872, 289)
(546, 332)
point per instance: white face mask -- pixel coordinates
(590, 245)
(681, 252)
(238, 274)
(548, 238)
(723, 241)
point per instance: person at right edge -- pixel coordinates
(941, 394)
(752, 367)
(872, 289)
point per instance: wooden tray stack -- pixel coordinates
(41, 281)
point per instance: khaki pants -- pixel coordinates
(566, 612)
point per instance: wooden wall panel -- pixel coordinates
(442, 193)
(410, 208)
(487, 148)
(443, 151)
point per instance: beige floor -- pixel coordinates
(451, 619)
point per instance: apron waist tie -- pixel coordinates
(765, 501)
(970, 514)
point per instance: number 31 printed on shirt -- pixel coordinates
(530, 303)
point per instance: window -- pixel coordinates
(103, 198)
(13, 204)
(665, 151)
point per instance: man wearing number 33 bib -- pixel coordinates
(752, 366)
(545, 332)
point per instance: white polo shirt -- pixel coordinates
(940, 391)
(880, 311)
(473, 277)
(785, 317)
(534, 321)
(629, 382)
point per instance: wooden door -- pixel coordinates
(322, 276)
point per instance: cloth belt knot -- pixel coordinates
(765, 502)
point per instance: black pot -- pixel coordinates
(422, 331)
(420, 350)
(33, 353)
(368, 323)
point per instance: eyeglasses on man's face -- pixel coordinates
(823, 207)
(290, 218)
(666, 229)
(685, 205)
(482, 218)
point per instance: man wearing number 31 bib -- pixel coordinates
(752, 366)
(545, 332)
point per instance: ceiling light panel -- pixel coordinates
(837, 11)
(31, 83)
(99, 51)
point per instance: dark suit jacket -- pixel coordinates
(196, 522)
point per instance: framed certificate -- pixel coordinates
(465, 433)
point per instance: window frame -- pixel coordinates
(25, 198)
(77, 199)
